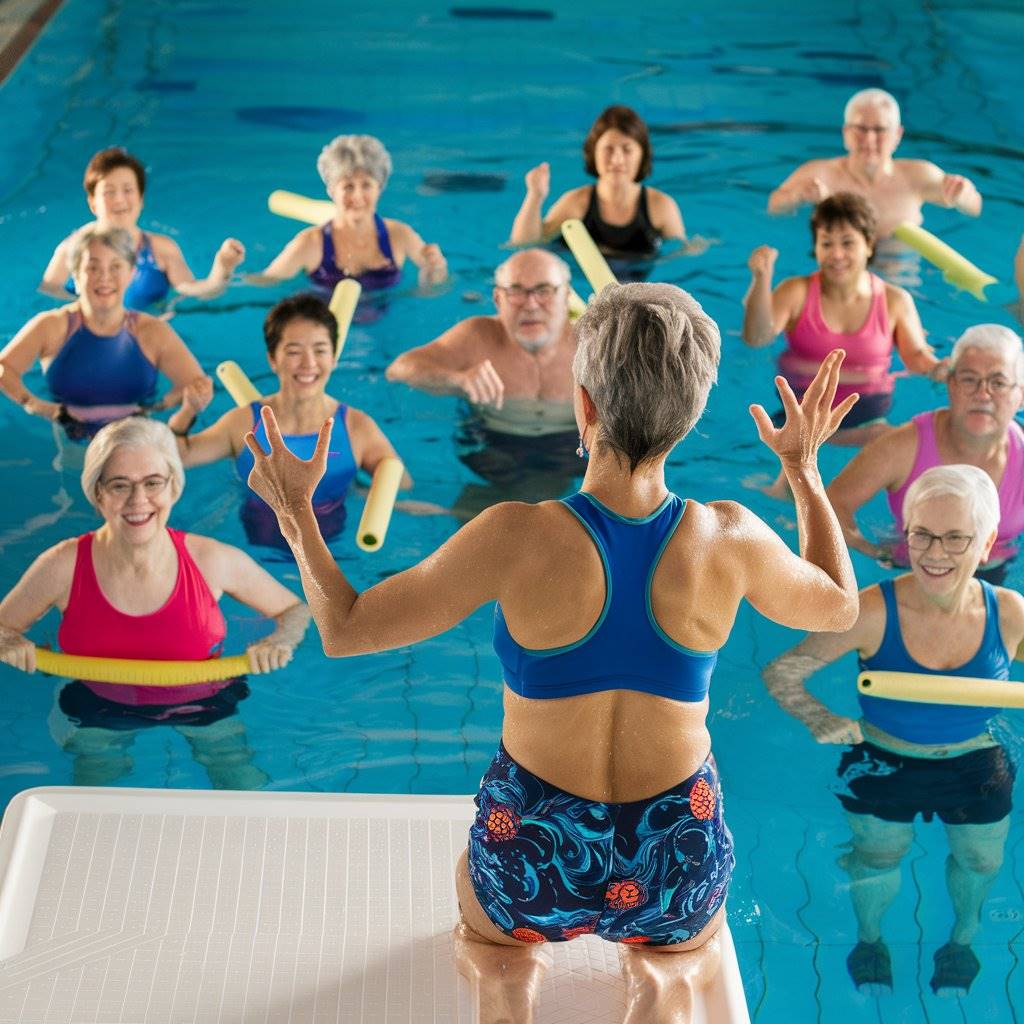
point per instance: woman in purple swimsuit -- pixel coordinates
(357, 243)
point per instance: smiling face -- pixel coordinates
(940, 572)
(116, 201)
(356, 195)
(842, 251)
(134, 494)
(303, 359)
(617, 156)
(102, 277)
(532, 299)
(984, 393)
(871, 135)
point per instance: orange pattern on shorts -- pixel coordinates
(702, 800)
(625, 895)
(528, 935)
(502, 823)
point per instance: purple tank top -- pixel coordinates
(1011, 488)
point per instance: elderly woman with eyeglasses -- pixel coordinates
(357, 242)
(100, 360)
(136, 588)
(977, 428)
(906, 758)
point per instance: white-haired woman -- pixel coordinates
(986, 389)
(100, 360)
(905, 758)
(357, 243)
(618, 762)
(135, 588)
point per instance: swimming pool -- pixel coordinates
(466, 104)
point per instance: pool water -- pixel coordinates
(226, 101)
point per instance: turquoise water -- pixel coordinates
(228, 101)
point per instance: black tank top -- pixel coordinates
(637, 238)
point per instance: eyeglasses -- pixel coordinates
(870, 129)
(953, 543)
(517, 294)
(121, 488)
(996, 384)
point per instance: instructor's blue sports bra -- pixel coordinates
(148, 285)
(341, 463)
(329, 274)
(99, 369)
(933, 723)
(626, 649)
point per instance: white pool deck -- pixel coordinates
(146, 906)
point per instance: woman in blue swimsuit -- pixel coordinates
(602, 811)
(301, 336)
(100, 360)
(357, 243)
(903, 758)
(115, 182)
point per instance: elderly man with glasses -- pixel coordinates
(976, 429)
(896, 188)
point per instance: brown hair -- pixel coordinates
(107, 160)
(621, 119)
(846, 208)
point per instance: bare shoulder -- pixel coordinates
(163, 245)
(59, 561)
(658, 201)
(212, 556)
(897, 298)
(1011, 616)
(574, 202)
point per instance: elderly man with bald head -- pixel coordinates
(896, 188)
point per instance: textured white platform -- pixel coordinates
(173, 906)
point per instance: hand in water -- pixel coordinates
(809, 422)
(267, 654)
(17, 650)
(284, 481)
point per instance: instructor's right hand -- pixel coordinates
(809, 422)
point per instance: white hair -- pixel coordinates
(117, 239)
(873, 98)
(991, 338)
(346, 155)
(133, 432)
(969, 483)
(501, 272)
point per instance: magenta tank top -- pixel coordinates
(189, 627)
(868, 350)
(1011, 489)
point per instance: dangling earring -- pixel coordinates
(583, 451)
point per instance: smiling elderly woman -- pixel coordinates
(907, 758)
(135, 588)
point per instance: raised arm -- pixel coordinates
(56, 274)
(917, 355)
(303, 252)
(433, 267)
(767, 311)
(221, 440)
(950, 190)
(170, 355)
(229, 256)
(465, 573)
(805, 185)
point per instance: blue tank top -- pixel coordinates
(149, 284)
(626, 649)
(329, 274)
(933, 723)
(97, 369)
(341, 463)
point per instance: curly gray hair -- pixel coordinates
(344, 155)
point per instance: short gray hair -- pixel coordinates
(969, 483)
(874, 98)
(344, 155)
(647, 355)
(118, 239)
(991, 338)
(133, 432)
(501, 272)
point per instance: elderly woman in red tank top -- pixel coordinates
(135, 588)
(618, 764)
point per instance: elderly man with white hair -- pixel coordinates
(986, 388)
(896, 188)
(905, 758)
(357, 242)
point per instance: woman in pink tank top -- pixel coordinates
(841, 305)
(135, 588)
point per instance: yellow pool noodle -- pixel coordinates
(594, 266)
(957, 270)
(309, 211)
(380, 502)
(343, 305)
(577, 307)
(236, 383)
(139, 672)
(926, 689)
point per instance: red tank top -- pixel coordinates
(189, 627)
(868, 350)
